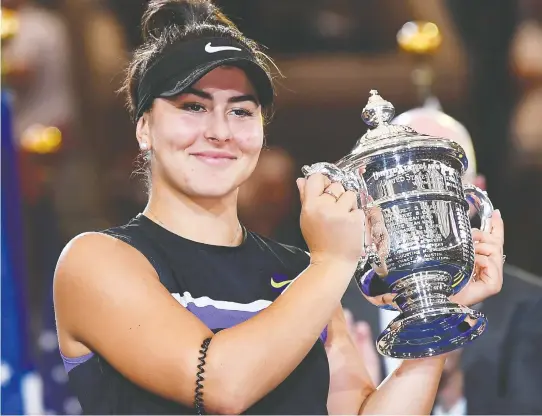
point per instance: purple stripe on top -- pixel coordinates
(71, 363)
(216, 318)
(323, 335)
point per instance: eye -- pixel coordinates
(193, 107)
(241, 112)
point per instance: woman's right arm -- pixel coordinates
(109, 299)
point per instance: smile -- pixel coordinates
(215, 158)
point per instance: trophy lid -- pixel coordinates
(383, 137)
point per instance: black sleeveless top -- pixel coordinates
(222, 286)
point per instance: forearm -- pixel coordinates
(411, 389)
(350, 382)
(255, 356)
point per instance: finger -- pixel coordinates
(349, 318)
(487, 249)
(300, 182)
(489, 282)
(386, 299)
(363, 331)
(484, 237)
(481, 260)
(473, 293)
(348, 201)
(336, 189)
(497, 225)
(315, 185)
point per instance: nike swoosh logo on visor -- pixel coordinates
(214, 49)
(278, 285)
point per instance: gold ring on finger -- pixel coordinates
(327, 191)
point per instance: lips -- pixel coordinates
(215, 157)
(215, 154)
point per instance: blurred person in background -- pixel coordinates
(526, 136)
(37, 69)
(483, 377)
(176, 310)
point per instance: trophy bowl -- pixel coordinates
(419, 245)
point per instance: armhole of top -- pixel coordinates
(145, 247)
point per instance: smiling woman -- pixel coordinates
(137, 329)
(179, 311)
(206, 140)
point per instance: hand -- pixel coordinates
(361, 334)
(332, 225)
(488, 276)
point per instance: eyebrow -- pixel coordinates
(236, 99)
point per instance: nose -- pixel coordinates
(218, 127)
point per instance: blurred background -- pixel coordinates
(69, 150)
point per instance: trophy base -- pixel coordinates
(431, 331)
(429, 324)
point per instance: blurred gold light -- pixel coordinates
(9, 23)
(41, 139)
(421, 38)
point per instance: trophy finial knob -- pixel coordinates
(378, 111)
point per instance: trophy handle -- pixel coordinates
(481, 202)
(351, 181)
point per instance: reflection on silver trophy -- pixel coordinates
(419, 244)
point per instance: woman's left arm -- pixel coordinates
(411, 389)
(350, 383)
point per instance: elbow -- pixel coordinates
(367, 407)
(226, 402)
(229, 397)
(230, 407)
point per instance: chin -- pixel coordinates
(211, 190)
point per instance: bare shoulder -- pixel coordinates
(98, 259)
(97, 250)
(92, 268)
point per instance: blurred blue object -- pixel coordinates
(16, 361)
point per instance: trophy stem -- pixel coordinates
(422, 290)
(429, 323)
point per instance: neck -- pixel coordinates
(205, 220)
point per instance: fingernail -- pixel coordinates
(498, 212)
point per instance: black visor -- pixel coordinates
(184, 63)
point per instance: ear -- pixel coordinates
(143, 133)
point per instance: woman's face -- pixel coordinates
(205, 142)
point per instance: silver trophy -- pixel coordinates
(419, 245)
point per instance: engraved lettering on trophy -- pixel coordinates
(422, 176)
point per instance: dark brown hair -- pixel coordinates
(166, 22)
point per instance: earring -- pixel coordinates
(144, 146)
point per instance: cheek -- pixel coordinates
(250, 139)
(175, 134)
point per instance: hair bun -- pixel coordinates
(161, 14)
